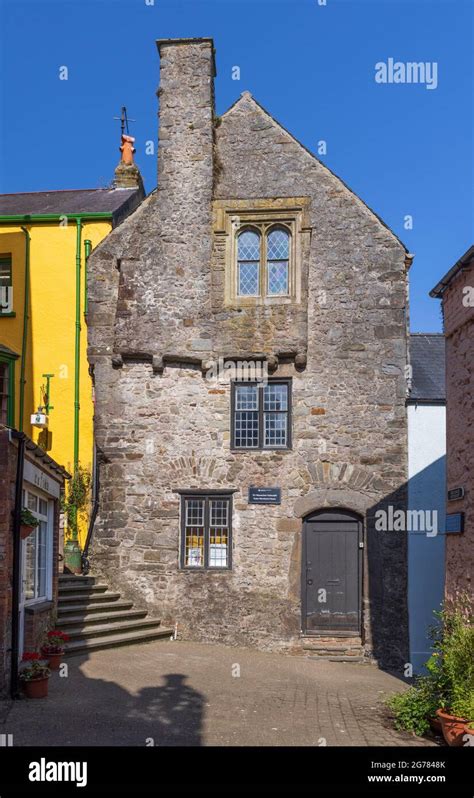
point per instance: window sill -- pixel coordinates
(260, 451)
(205, 570)
(40, 606)
(11, 315)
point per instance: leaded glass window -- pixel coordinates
(264, 261)
(248, 273)
(206, 531)
(261, 415)
(278, 261)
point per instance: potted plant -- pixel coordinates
(446, 693)
(28, 523)
(54, 648)
(74, 505)
(454, 666)
(34, 675)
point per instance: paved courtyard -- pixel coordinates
(179, 693)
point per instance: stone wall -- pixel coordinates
(162, 426)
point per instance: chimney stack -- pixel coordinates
(127, 173)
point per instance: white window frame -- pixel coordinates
(49, 544)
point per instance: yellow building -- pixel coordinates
(45, 238)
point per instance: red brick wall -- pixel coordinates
(459, 330)
(38, 623)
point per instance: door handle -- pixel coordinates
(309, 581)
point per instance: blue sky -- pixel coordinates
(405, 149)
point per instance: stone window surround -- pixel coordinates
(233, 216)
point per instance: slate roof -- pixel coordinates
(89, 200)
(427, 357)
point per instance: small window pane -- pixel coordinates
(43, 507)
(29, 581)
(248, 257)
(248, 279)
(246, 397)
(275, 429)
(218, 533)
(5, 272)
(194, 533)
(41, 576)
(32, 502)
(278, 245)
(278, 254)
(276, 397)
(246, 430)
(249, 246)
(278, 277)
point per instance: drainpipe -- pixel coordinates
(25, 327)
(77, 355)
(87, 252)
(15, 648)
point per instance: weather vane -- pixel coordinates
(124, 120)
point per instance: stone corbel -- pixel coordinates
(117, 361)
(157, 364)
(301, 360)
(272, 362)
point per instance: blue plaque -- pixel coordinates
(454, 523)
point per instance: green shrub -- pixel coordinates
(450, 680)
(413, 708)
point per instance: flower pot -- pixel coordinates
(72, 556)
(454, 728)
(26, 530)
(36, 688)
(54, 660)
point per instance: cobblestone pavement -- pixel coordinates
(180, 693)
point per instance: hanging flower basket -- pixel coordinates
(28, 523)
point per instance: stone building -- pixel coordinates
(456, 291)
(251, 250)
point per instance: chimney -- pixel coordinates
(186, 176)
(127, 173)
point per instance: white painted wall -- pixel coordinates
(426, 491)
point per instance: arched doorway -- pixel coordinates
(332, 572)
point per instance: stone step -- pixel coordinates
(75, 598)
(111, 641)
(88, 607)
(66, 589)
(65, 579)
(111, 628)
(86, 618)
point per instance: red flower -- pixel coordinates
(28, 655)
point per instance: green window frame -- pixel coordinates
(6, 285)
(7, 389)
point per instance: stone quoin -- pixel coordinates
(250, 249)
